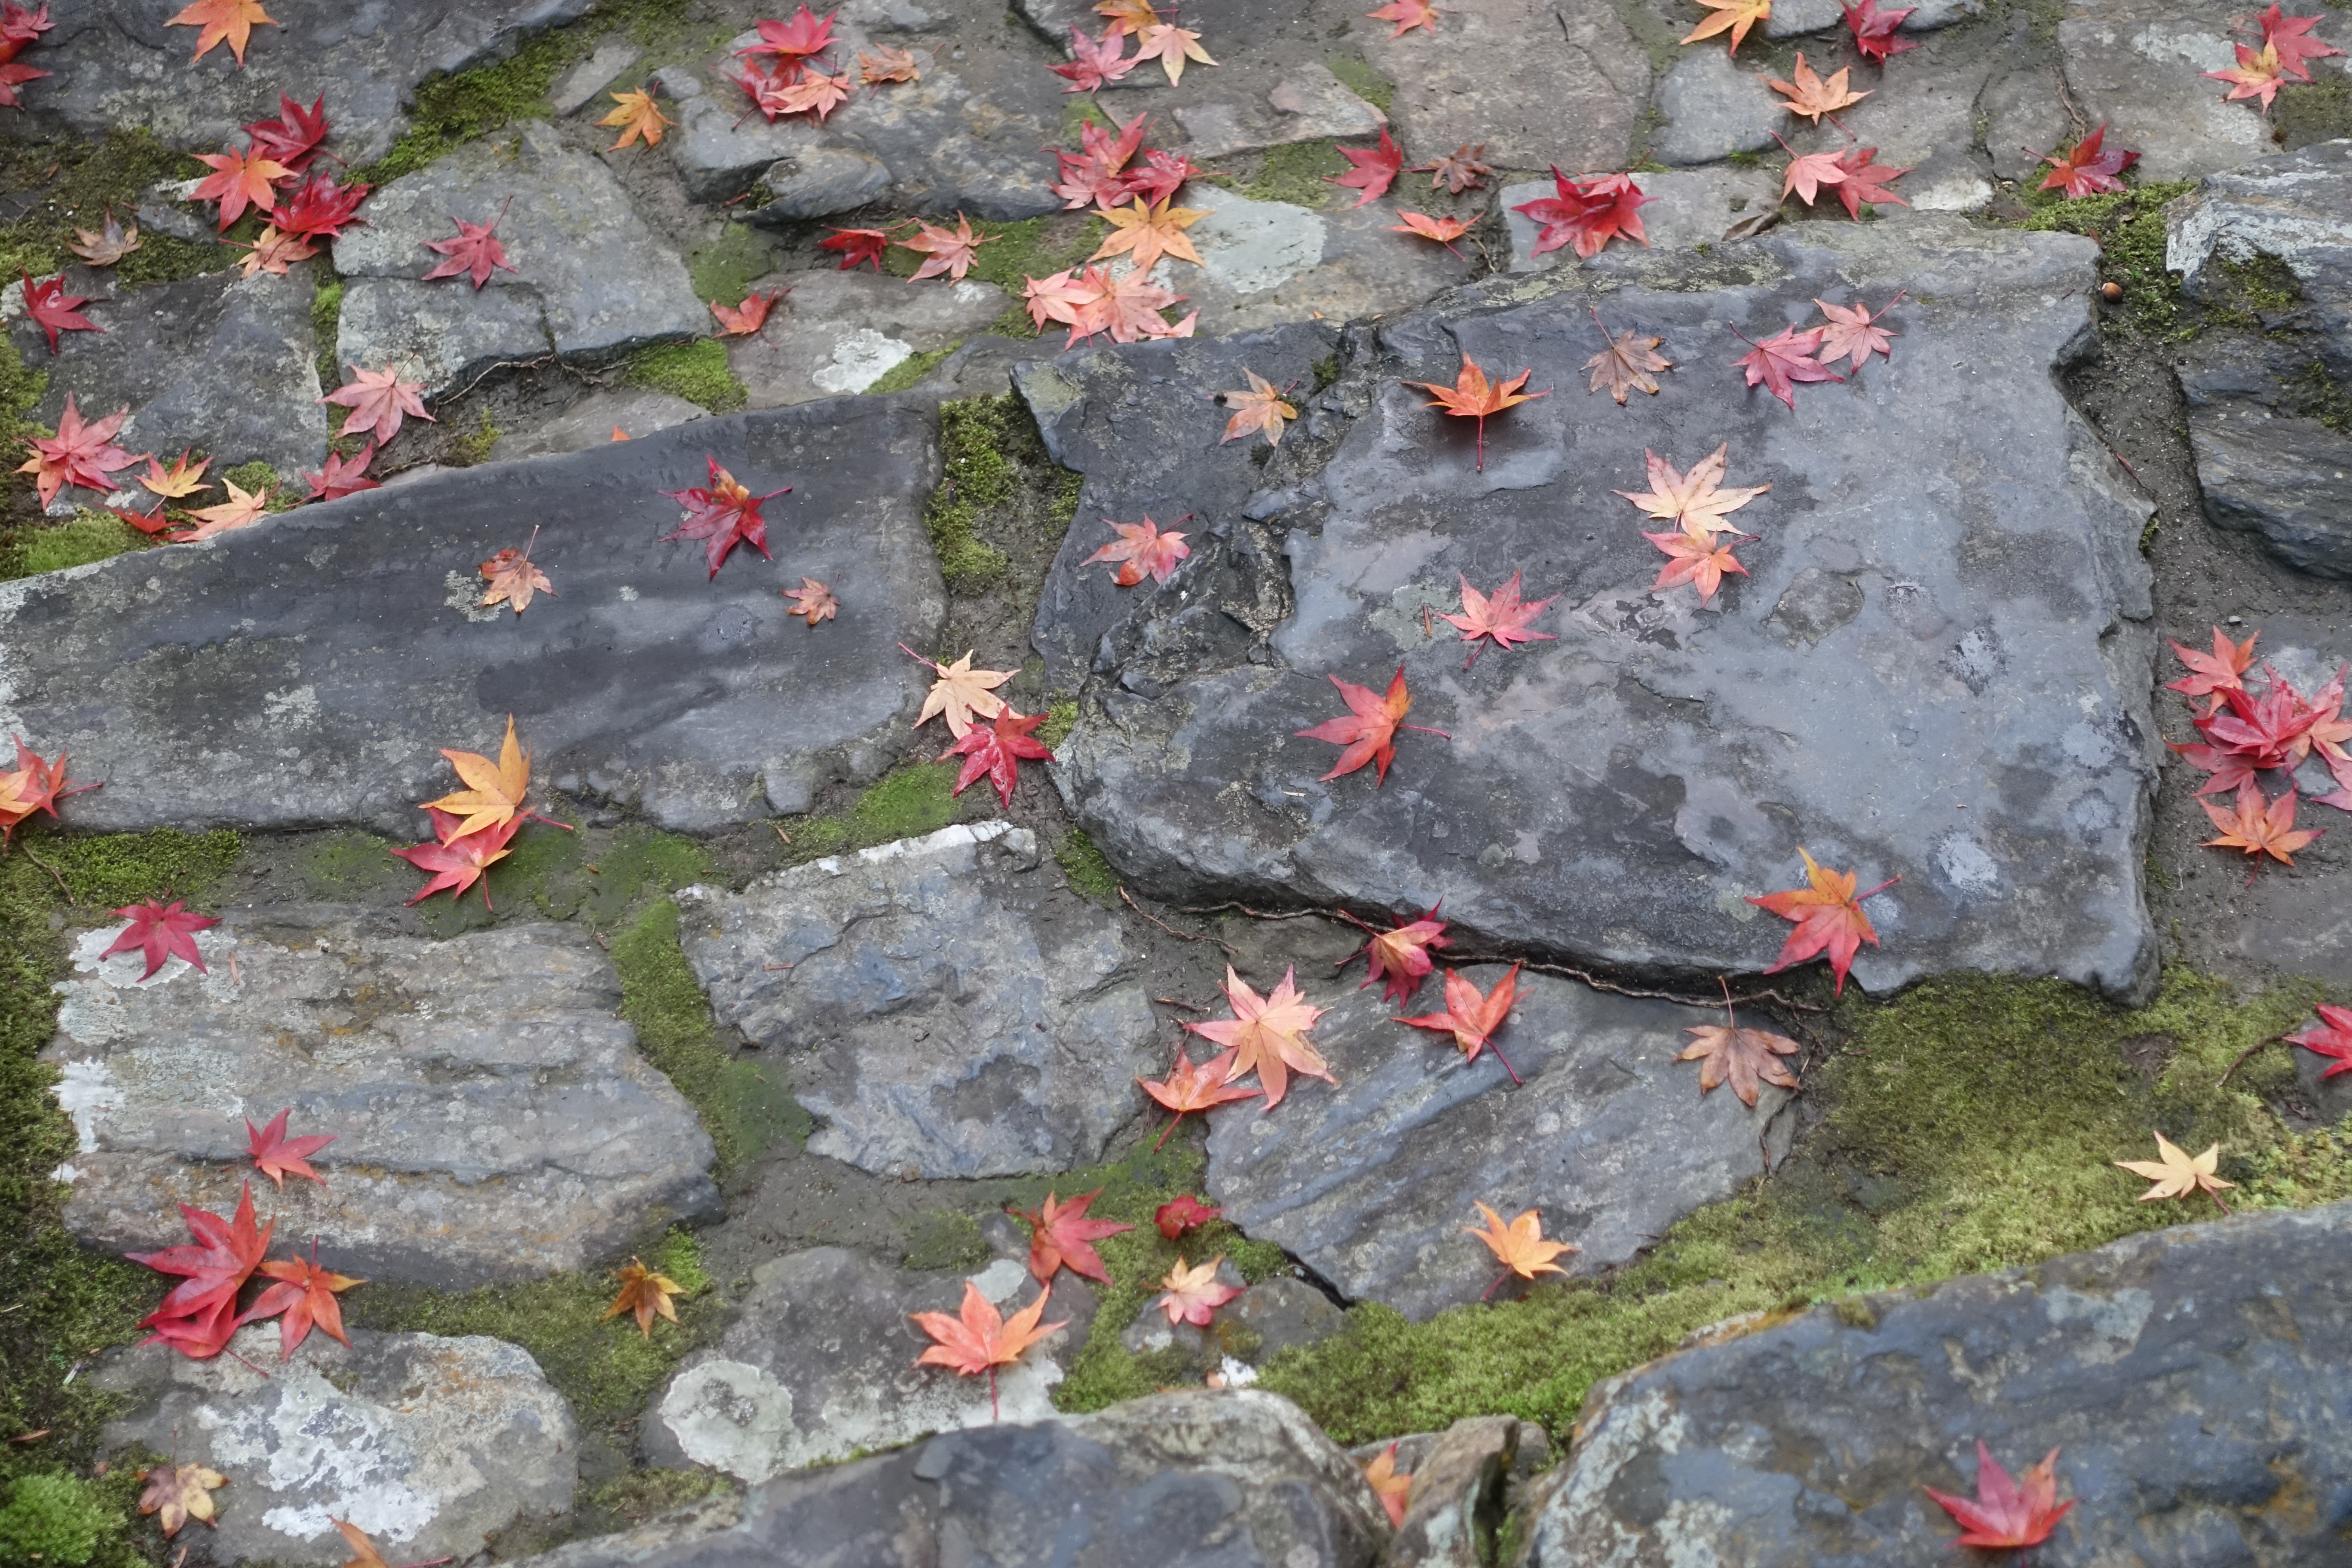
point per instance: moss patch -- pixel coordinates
(1088, 874)
(1355, 74)
(992, 452)
(1298, 174)
(85, 537)
(2129, 228)
(256, 477)
(723, 269)
(1015, 252)
(2313, 111)
(326, 331)
(474, 445)
(945, 1240)
(697, 371)
(73, 185)
(911, 369)
(58, 1518)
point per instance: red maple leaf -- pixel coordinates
(722, 515)
(2083, 170)
(239, 180)
(995, 749)
(1587, 214)
(803, 37)
(1865, 181)
(1474, 1017)
(1160, 175)
(305, 1293)
(1062, 1236)
(161, 931)
(48, 303)
(1808, 172)
(342, 476)
(293, 139)
(1829, 916)
(2212, 673)
(2331, 1036)
(276, 1156)
(1141, 550)
(1095, 64)
(1182, 1214)
(1375, 168)
(80, 453)
(1188, 1088)
(20, 26)
(475, 249)
(2257, 74)
(212, 1270)
(1094, 174)
(752, 316)
(32, 785)
(2007, 1513)
(378, 400)
(1500, 616)
(2290, 37)
(1697, 557)
(2252, 734)
(1873, 30)
(1854, 331)
(1784, 358)
(1368, 730)
(1400, 955)
(858, 246)
(321, 209)
(1475, 396)
(460, 862)
(14, 75)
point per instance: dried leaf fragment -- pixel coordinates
(959, 692)
(812, 600)
(644, 1293)
(1629, 363)
(2177, 1173)
(178, 1493)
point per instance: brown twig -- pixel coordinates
(2243, 1055)
(1465, 960)
(1267, 915)
(1172, 1002)
(52, 870)
(1128, 899)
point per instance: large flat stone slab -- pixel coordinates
(430, 1445)
(2189, 1378)
(837, 332)
(492, 1117)
(1936, 669)
(943, 1003)
(2139, 65)
(1609, 1138)
(207, 688)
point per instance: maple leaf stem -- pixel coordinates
(1177, 1117)
(1497, 1285)
(991, 1394)
(1506, 1064)
(550, 821)
(1880, 888)
(1427, 731)
(52, 870)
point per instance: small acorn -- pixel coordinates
(2111, 289)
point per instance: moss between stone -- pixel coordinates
(639, 1495)
(255, 477)
(697, 371)
(1084, 866)
(723, 269)
(1971, 1127)
(74, 185)
(1355, 74)
(2129, 228)
(991, 449)
(1297, 174)
(910, 370)
(944, 1241)
(326, 331)
(57, 1519)
(474, 445)
(85, 537)
(2314, 111)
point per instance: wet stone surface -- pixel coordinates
(2138, 66)
(837, 332)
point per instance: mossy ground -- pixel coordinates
(2129, 228)
(1299, 174)
(84, 537)
(75, 184)
(724, 268)
(998, 484)
(696, 371)
(1015, 252)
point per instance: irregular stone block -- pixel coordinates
(1460, 1491)
(2138, 66)
(819, 182)
(591, 77)
(1686, 207)
(838, 332)
(1714, 107)
(635, 412)
(227, 699)
(949, 1011)
(1306, 105)
(1265, 1320)
(1540, 83)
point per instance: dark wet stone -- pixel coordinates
(2138, 66)
(1370, 1183)
(1265, 1320)
(1307, 104)
(1714, 106)
(2191, 1380)
(634, 411)
(206, 693)
(1460, 1493)
(1616, 794)
(819, 182)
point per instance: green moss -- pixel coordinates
(57, 1519)
(2323, 397)
(1359, 77)
(640, 1494)
(326, 330)
(2313, 111)
(256, 477)
(1080, 112)
(911, 369)
(1061, 717)
(1298, 174)
(85, 537)
(474, 445)
(723, 269)
(913, 801)
(1088, 872)
(973, 437)
(73, 185)
(1971, 1126)
(349, 865)
(2129, 228)
(697, 371)
(946, 1240)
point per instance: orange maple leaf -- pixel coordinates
(513, 578)
(1810, 96)
(1474, 1017)
(1407, 14)
(306, 1294)
(32, 785)
(977, 1338)
(1188, 1088)
(644, 1293)
(2260, 827)
(230, 20)
(1444, 230)
(813, 600)
(1392, 1488)
(494, 792)
(1367, 732)
(1269, 1034)
(185, 478)
(1062, 1236)
(240, 509)
(1518, 1246)
(2255, 75)
(1829, 916)
(1148, 230)
(1738, 16)
(1628, 364)
(240, 179)
(1259, 408)
(1473, 396)
(948, 253)
(637, 116)
(743, 321)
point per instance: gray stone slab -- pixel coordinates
(206, 694)
(634, 411)
(2024, 119)
(589, 79)
(718, 148)
(823, 1365)
(1794, 18)
(432, 1446)
(2139, 65)
(1195, 1480)
(492, 1117)
(1265, 1320)
(591, 274)
(1712, 107)
(1306, 105)
(218, 362)
(1921, 115)
(839, 332)
(819, 182)
(118, 66)
(1609, 1139)
(1605, 794)
(2189, 1378)
(1686, 207)
(948, 1008)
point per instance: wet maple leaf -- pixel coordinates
(643, 1294)
(2260, 826)
(2210, 675)
(159, 932)
(804, 36)
(1141, 550)
(342, 476)
(32, 785)
(378, 400)
(1866, 182)
(723, 514)
(946, 253)
(1473, 396)
(2257, 74)
(1062, 1236)
(1813, 97)
(888, 64)
(182, 478)
(1873, 30)
(1259, 408)
(276, 1156)
(2331, 1038)
(149, 523)
(494, 792)
(1184, 1212)
(1587, 214)
(976, 1338)
(1376, 168)
(1095, 65)
(305, 1294)
(1784, 358)
(1735, 15)
(107, 244)
(2083, 170)
(959, 692)
(514, 579)
(273, 251)
(813, 601)
(1629, 363)
(1188, 1088)
(1474, 1017)
(1808, 172)
(2289, 36)
(812, 92)
(55, 310)
(1519, 1246)
(636, 115)
(474, 251)
(2278, 729)
(295, 137)
(178, 1493)
(743, 321)
(1392, 1488)
(1500, 617)
(1094, 175)
(1161, 174)
(1444, 230)
(20, 26)
(1126, 15)
(1854, 332)
(1269, 1034)
(223, 21)
(214, 1269)
(1742, 1057)
(320, 209)
(1400, 955)
(14, 75)
(1193, 1295)
(81, 453)
(242, 510)
(2177, 1174)
(458, 860)
(1128, 309)
(1145, 231)
(1696, 555)
(1829, 916)
(240, 179)
(1367, 732)
(858, 246)
(995, 749)
(1697, 500)
(2006, 1513)
(365, 1555)
(1458, 170)
(1171, 46)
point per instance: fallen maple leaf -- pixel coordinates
(458, 860)
(1587, 214)
(978, 1339)
(1269, 1035)
(319, 209)
(2082, 170)
(367, 1555)
(1444, 230)
(1474, 1017)
(239, 180)
(513, 579)
(378, 401)
(342, 476)
(1392, 1488)
(184, 478)
(812, 600)
(1738, 16)
(1808, 172)
(2007, 1513)
(241, 510)
(80, 453)
(1095, 65)
(636, 116)
(805, 36)
(1873, 30)
(276, 1156)
(1500, 617)
(1188, 1089)
(2259, 826)
(1127, 308)
(161, 931)
(1062, 1236)
(55, 310)
(644, 1293)
(1171, 46)
(1126, 15)
(1854, 332)
(107, 244)
(722, 515)
(1259, 408)
(1400, 955)
(1473, 396)
(20, 26)
(180, 1493)
(1782, 359)
(212, 1270)
(494, 792)
(32, 785)
(947, 253)
(1810, 96)
(1518, 1246)
(888, 64)
(1459, 170)
(1695, 556)
(2257, 74)
(858, 246)
(1743, 1058)
(1161, 174)
(295, 137)
(2177, 1174)
(14, 75)
(811, 91)
(743, 321)
(1193, 1295)
(1829, 916)
(994, 751)
(1184, 1212)
(1095, 174)
(1407, 14)
(2275, 729)
(2290, 36)
(2331, 1036)
(149, 523)
(232, 21)
(2210, 675)
(1140, 550)
(959, 692)
(1629, 363)
(1865, 183)
(305, 1295)
(1375, 168)
(473, 251)
(1367, 732)
(1145, 231)
(1697, 500)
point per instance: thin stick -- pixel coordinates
(52, 870)
(2249, 1052)
(1129, 899)
(1507, 1063)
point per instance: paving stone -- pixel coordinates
(822, 1365)
(432, 1446)
(1609, 1138)
(1265, 1320)
(1714, 107)
(215, 362)
(1602, 794)
(1687, 207)
(587, 80)
(2187, 1378)
(1460, 1485)
(646, 683)
(1921, 115)
(1306, 105)
(1793, 19)
(590, 421)
(819, 182)
(493, 1118)
(838, 332)
(118, 66)
(2139, 65)
(949, 1009)
(2025, 117)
